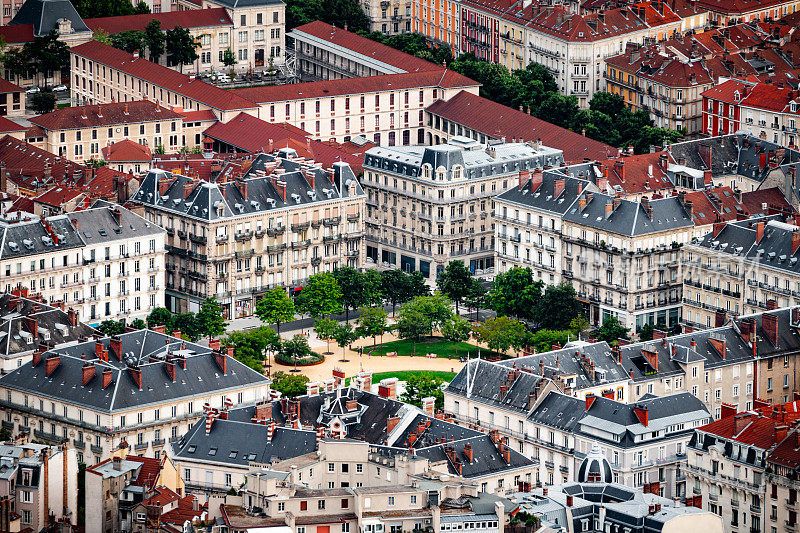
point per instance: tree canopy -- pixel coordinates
(210, 320)
(275, 307)
(339, 13)
(423, 385)
(502, 333)
(181, 47)
(249, 346)
(456, 282)
(422, 316)
(611, 330)
(514, 293)
(320, 297)
(289, 385)
(557, 307)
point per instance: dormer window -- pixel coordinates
(793, 107)
(736, 96)
(426, 171)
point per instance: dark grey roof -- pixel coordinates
(214, 201)
(486, 459)
(52, 326)
(543, 198)
(106, 222)
(483, 381)
(558, 411)
(143, 349)
(45, 14)
(737, 240)
(630, 218)
(238, 443)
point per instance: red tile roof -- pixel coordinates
(17, 34)
(718, 204)
(195, 18)
(756, 427)
(366, 47)
(729, 7)
(116, 113)
(443, 78)
(162, 76)
(497, 120)
(184, 511)
(7, 125)
(148, 475)
(767, 96)
(772, 198)
(161, 497)
(199, 116)
(251, 134)
(637, 174)
(126, 151)
(58, 196)
(8, 87)
(26, 163)
(725, 92)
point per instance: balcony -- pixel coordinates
(331, 221)
(330, 238)
(276, 247)
(199, 239)
(244, 254)
(301, 226)
(301, 244)
(353, 217)
(260, 233)
(222, 239)
(244, 236)
(274, 232)
(96, 449)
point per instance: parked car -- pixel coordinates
(60, 88)
(223, 78)
(33, 90)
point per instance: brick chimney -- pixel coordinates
(87, 373)
(759, 231)
(468, 453)
(351, 405)
(590, 399)
(740, 422)
(795, 241)
(169, 368)
(727, 410)
(569, 500)
(115, 347)
(718, 345)
(772, 304)
(37, 357)
(214, 344)
(428, 405)
(536, 181)
(211, 415)
(602, 184)
(391, 423)
(107, 376)
(523, 179)
(717, 229)
(51, 363)
(642, 414)
(72, 316)
(136, 375)
(780, 433)
(719, 318)
(651, 356)
(222, 359)
(558, 187)
(769, 323)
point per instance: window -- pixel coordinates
(331, 467)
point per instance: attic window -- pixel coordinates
(192, 448)
(251, 457)
(212, 451)
(233, 454)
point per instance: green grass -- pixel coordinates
(437, 345)
(403, 375)
(62, 106)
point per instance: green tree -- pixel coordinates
(353, 286)
(558, 109)
(611, 330)
(289, 385)
(456, 282)
(294, 349)
(187, 324)
(210, 320)
(104, 8)
(159, 149)
(557, 307)
(395, 287)
(372, 321)
(18, 62)
(138, 323)
(476, 299)
(457, 330)
(131, 41)
(5, 435)
(421, 316)
(578, 325)
(340, 13)
(646, 331)
(320, 297)
(228, 58)
(248, 348)
(275, 307)
(544, 339)
(514, 293)
(417, 285)
(160, 316)
(141, 8)
(181, 47)
(326, 328)
(345, 334)
(501, 333)
(43, 102)
(423, 385)
(101, 36)
(155, 40)
(111, 327)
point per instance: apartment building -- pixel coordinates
(80, 133)
(437, 206)
(266, 221)
(575, 507)
(120, 483)
(572, 46)
(253, 33)
(38, 486)
(32, 325)
(102, 74)
(731, 472)
(389, 17)
(142, 387)
(325, 52)
(334, 432)
(439, 21)
(386, 109)
(104, 262)
(770, 111)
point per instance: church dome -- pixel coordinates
(595, 468)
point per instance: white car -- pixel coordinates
(33, 90)
(223, 78)
(59, 88)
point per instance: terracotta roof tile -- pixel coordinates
(194, 18)
(17, 34)
(112, 114)
(148, 475)
(126, 150)
(496, 120)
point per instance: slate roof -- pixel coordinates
(45, 14)
(478, 161)
(543, 198)
(206, 200)
(16, 320)
(738, 240)
(558, 411)
(201, 376)
(496, 120)
(238, 443)
(485, 379)
(486, 460)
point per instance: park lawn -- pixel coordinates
(403, 375)
(437, 345)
